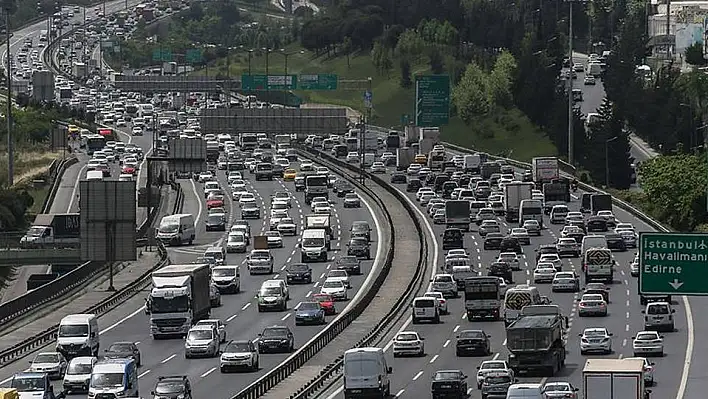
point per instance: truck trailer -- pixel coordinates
(535, 340)
(544, 170)
(180, 297)
(457, 214)
(404, 157)
(614, 379)
(55, 231)
(319, 222)
(514, 193)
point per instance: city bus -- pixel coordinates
(95, 142)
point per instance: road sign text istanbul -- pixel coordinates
(673, 263)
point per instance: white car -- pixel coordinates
(426, 197)
(456, 253)
(510, 258)
(648, 343)
(521, 234)
(52, 363)
(565, 281)
(595, 339)
(308, 166)
(503, 286)
(378, 167)
(247, 199)
(442, 302)
(422, 191)
(648, 370)
(237, 184)
(414, 169)
(408, 343)
(287, 226)
(607, 215)
(236, 242)
(543, 275)
(559, 389)
(552, 258)
(78, 374)
(217, 324)
(340, 275)
(323, 210)
(335, 288)
(492, 366)
(239, 354)
(275, 239)
(352, 157)
(205, 177)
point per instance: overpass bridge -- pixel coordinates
(40, 256)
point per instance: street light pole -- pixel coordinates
(8, 116)
(571, 141)
(607, 160)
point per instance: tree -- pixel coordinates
(609, 142)
(437, 64)
(501, 80)
(347, 49)
(410, 45)
(694, 54)
(470, 95)
(405, 73)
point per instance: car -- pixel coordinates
(648, 370)
(287, 226)
(491, 366)
(398, 178)
(559, 389)
(173, 387)
(201, 341)
(309, 312)
(449, 384)
(377, 167)
(123, 350)
(510, 258)
(439, 217)
(78, 374)
(569, 247)
(289, 174)
(326, 302)
(238, 354)
(336, 288)
(629, 237)
(473, 342)
(307, 166)
(595, 339)
(493, 241)
(206, 176)
(359, 247)
(352, 200)
(218, 325)
(445, 283)
(553, 259)
(609, 217)
(51, 363)
(352, 157)
(589, 80)
(408, 343)
(351, 264)
(489, 226)
(496, 384)
(565, 281)
(236, 242)
(598, 288)
(648, 343)
(543, 274)
(532, 227)
(596, 224)
(521, 234)
(298, 272)
(274, 239)
(341, 275)
(592, 305)
(216, 222)
(578, 67)
(260, 261)
(276, 339)
(442, 302)
(615, 242)
(634, 268)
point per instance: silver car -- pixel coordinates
(351, 200)
(445, 284)
(201, 341)
(260, 261)
(648, 343)
(52, 363)
(596, 339)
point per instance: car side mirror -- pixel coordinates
(673, 310)
(152, 393)
(580, 334)
(632, 337)
(575, 389)
(643, 311)
(105, 350)
(652, 363)
(611, 334)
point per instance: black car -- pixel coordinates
(276, 339)
(493, 241)
(216, 222)
(472, 342)
(359, 247)
(399, 178)
(172, 387)
(449, 384)
(546, 249)
(596, 223)
(362, 229)
(501, 269)
(342, 187)
(351, 264)
(123, 350)
(510, 244)
(578, 237)
(527, 177)
(413, 185)
(340, 150)
(452, 239)
(615, 242)
(298, 272)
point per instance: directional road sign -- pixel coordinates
(162, 55)
(268, 82)
(323, 81)
(673, 263)
(432, 100)
(193, 56)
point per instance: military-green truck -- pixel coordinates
(535, 340)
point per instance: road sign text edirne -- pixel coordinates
(673, 263)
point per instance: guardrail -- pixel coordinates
(56, 180)
(17, 351)
(324, 337)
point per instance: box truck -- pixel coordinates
(614, 379)
(61, 230)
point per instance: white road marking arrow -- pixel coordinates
(676, 284)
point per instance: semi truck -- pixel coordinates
(472, 163)
(457, 214)
(488, 169)
(404, 157)
(614, 379)
(180, 297)
(514, 193)
(393, 140)
(212, 151)
(483, 297)
(535, 340)
(544, 170)
(60, 230)
(319, 222)
(555, 193)
(600, 202)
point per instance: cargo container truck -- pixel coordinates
(544, 170)
(60, 230)
(614, 379)
(514, 193)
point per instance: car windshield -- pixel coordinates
(275, 332)
(556, 388)
(79, 368)
(199, 335)
(270, 291)
(297, 268)
(216, 218)
(443, 279)
(594, 333)
(223, 272)
(120, 348)
(471, 334)
(238, 347)
(658, 309)
(106, 380)
(259, 255)
(498, 379)
(309, 306)
(28, 384)
(346, 260)
(447, 375)
(73, 330)
(333, 284)
(169, 387)
(337, 273)
(407, 337)
(46, 358)
(493, 366)
(646, 336)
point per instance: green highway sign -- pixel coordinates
(432, 100)
(193, 56)
(162, 55)
(673, 263)
(323, 81)
(268, 82)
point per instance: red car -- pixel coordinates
(128, 170)
(326, 302)
(215, 202)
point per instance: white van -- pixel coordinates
(366, 373)
(558, 214)
(177, 229)
(314, 246)
(524, 391)
(114, 378)
(369, 159)
(426, 308)
(227, 278)
(78, 374)
(659, 316)
(78, 335)
(94, 175)
(218, 253)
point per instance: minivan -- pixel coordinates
(366, 373)
(218, 253)
(78, 336)
(558, 214)
(114, 378)
(177, 229)
(227, 278)
(426, 308)
(593, 241)
(272, 296)
(659, 316)
(315, 244)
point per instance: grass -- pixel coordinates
(506, 132)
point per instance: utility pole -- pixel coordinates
(8, 80)
(668, 29)
(571, 143)
(607, 160)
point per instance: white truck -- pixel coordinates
(514, 193)
(367, 142)
(319, 222)
(614, 379)
(472, 163)
(180, 297)
(483, 297)
(544, 170)
(457, 214)
(404, 157)
(62, 230)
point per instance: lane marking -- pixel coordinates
(246, 306)
(172, 356)
(433, 359)
(231, 318)
(415, 377)
(206, 373)
(143, 374)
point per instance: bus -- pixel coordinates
(518, 297)
(248, 141)
(95, 142)
(531, 210)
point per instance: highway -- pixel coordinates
(411, 376)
